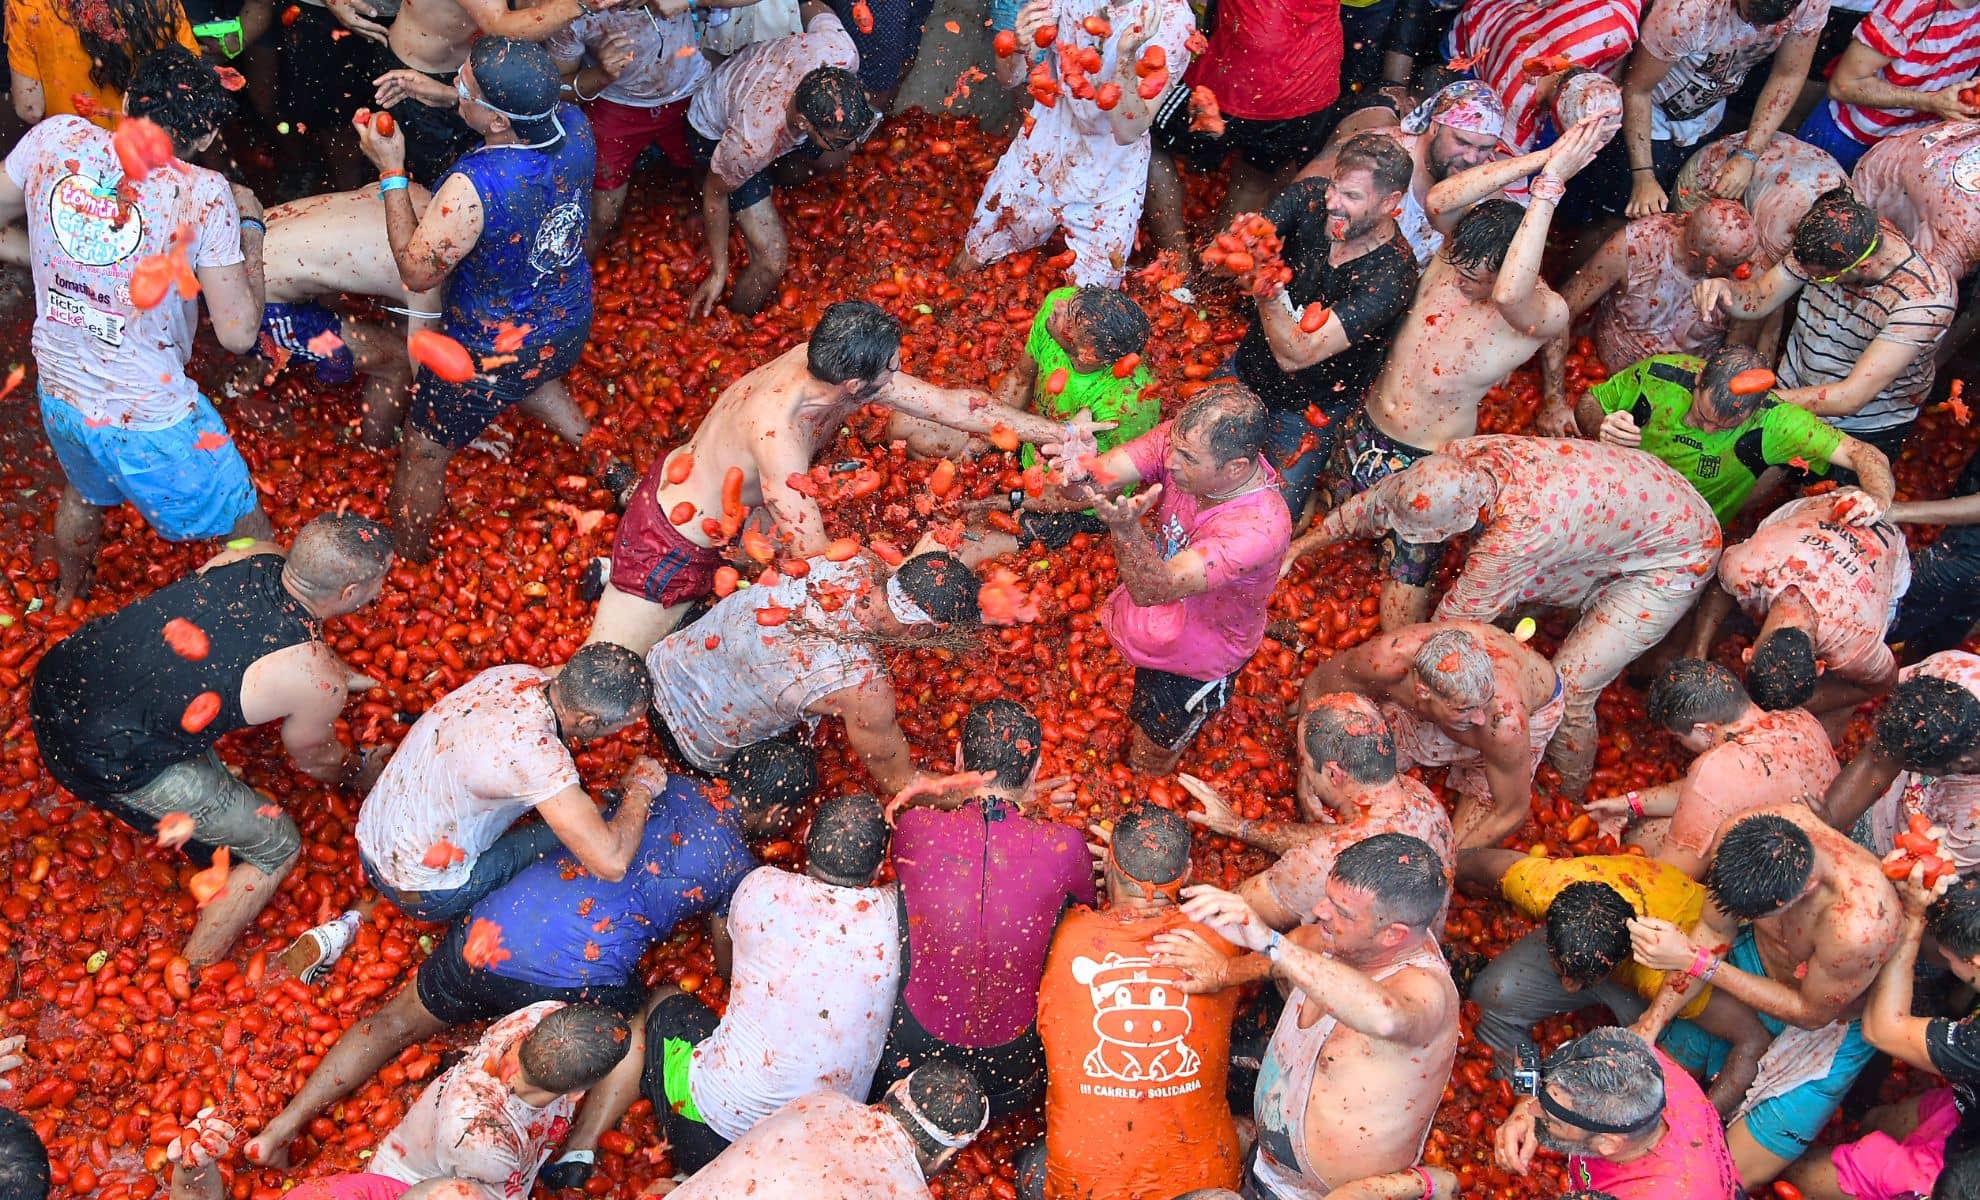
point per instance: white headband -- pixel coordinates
(954, 1141)
(905, 610)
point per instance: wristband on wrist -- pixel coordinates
(1547, 187)
(1703, 963)
(392, 183)
(394, 173)
(1272, 946)
(1016, 498)
(1746, 154)
(1635, 804)
(1429, 1184)
(1635, 170)
(254, 223)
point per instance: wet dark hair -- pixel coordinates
(1003, 737)
(606, 681)
(1403, 873)
(1355, 737)
(949, 1096)
(181, 93)
(1959, 1179)
(1770, 12)
(1928, 723)
(116, 35)
(1954, 918)
(847, 839)
(1114, 324)
(853, 340)
(1782, 673)
(1835, 233)
(835, 103)
(1691, 691)
(767, 776)
(1152, 844)
(23, 1159)
(943, 587)
(1716, 378)
(1763, 862)
(1484, 234)
(1588, 931)
(574, 1047)
(1382, 156)
(1232, 419)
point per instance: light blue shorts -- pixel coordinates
(1787, 1124)
(186, 491)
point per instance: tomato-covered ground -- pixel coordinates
(123, 1047)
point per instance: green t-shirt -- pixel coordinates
(1110, 399)
(1725, 465)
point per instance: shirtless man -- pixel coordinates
(1925, 760)
(332, 245)
(1810, 919)
(1824, 592)
(416, 58)
(1482, 310)
(1447, 135)
(1571, 524)
(1748, 758)
(766, 427)
(1461, 694)
(1639, 284)
(1349, 790)
(1370, 1024)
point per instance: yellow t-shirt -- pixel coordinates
(1652, 888)
(44, 46)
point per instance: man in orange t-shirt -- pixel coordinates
(1135, 1068)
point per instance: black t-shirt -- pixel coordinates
(1369, 294)
(110, 702)
(1955, 1050)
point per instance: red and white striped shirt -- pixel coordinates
(1931, 44)
(1502, 36)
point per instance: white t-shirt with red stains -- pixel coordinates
(744, 106)
(1651, 310)
(469, 1123)
(116, 363)
(824, 1146)
(472, 764)
(1785, 182)
(1951, 801)
(1711, 51)
(1927, 182)
(816, 970)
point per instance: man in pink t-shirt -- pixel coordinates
(1631, 1122)
(1191, 605)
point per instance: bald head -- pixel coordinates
(337, 561)
(1720, 234)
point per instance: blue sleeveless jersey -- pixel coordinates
(528, 267)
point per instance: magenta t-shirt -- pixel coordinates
(1243, 540)
(984, 886)
(1691, 1161)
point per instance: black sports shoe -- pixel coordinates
(567, 1172)
(619, 478)
(592, 585)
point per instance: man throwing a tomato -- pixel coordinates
(127, 709)
(505, 235)
(1190, 609)
(755, 449)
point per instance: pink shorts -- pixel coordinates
(623, 132)
(349, 1187)
(1877, 1167)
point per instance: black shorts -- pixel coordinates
(454, 414)
(1057, 530)
(1266, 146)
(756, 188)
(1170, 708)
(1837, 33)
(885, 53)
(323, 78)
(686, 1021)
(435, 137)
(457, 993)
(1603, 188)
(1012, 1074)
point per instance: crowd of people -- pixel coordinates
(1456, 190)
